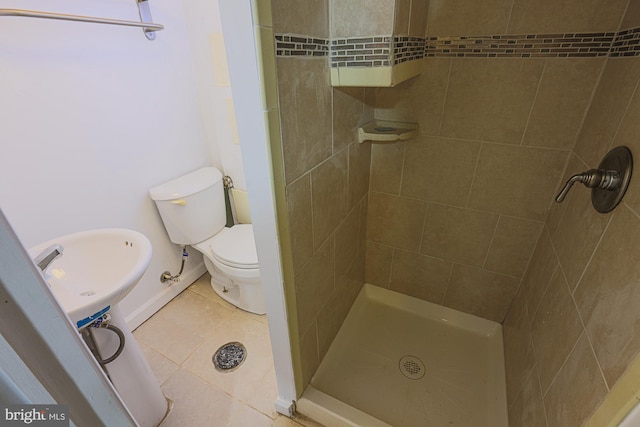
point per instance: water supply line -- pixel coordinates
(166, 276)
(103, 321)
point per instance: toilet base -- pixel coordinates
(246, 295)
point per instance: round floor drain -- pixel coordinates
(412, 367)
(229, 357)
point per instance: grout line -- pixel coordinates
(589, 104)
(533, 103)
(424, 225)
(513, 5)
(393, 253)
(624, 115)
(446, 291)
(473, 177)
(593, 254)
(544, 393)
(404, 158)
(493, 237)
(593, 351)
(446, 96)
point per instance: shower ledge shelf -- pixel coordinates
(386, 131)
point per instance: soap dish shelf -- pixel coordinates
(386, 131)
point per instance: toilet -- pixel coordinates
(192, 208)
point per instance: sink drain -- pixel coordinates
(229, 357)
(412, 367)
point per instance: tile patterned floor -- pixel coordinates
(179, 342)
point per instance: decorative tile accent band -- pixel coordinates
(626, 43)
(297, 45)
(385, 50)
(407, 49)
(524, 46)
(361, 52)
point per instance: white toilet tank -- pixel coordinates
(192, 206)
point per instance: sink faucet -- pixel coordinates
(47, 256)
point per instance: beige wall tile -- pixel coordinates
(418, 19)
(314, 285)
(528, 410)
(457, 234)
(347, 115)
(402, 17)
(378, 267)
(489, 99)
(565, 16)
(300, 221)
(419, 100)
(467, 17)
(305, 114)
(577, 390)
(309, 17)
(359, 167)
(512, 246)
(611, 98)
(309, 354)
(542, 266)
(632, 17)
(329, 189)
(578, 234)
(347, 239)
(629, 135)
(439, 170)
(361, 17)
(395, 221)
(519, 358)
(480, 292)
(555, 329)
(330, 320)
(420, 276)
(509, 180)
(387, 161)
(608, 295)
(562, 101)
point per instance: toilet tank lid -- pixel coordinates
(187, 185)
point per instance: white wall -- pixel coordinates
(91, 117)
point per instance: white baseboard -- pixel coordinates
(159, 300)
(284, 407)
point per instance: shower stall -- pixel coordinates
(434, 280)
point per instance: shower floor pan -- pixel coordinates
(402, 362)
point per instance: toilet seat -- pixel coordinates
(233, 247)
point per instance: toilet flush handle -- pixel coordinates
(181, 202)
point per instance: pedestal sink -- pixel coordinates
(96, 270)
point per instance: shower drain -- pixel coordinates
(412, 367)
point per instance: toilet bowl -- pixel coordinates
(193, 212)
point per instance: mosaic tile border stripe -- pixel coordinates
(522, 45)
(626, 43)
(388, 50)
(297, 45)
(372, 51)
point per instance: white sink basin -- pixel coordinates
(97, 269)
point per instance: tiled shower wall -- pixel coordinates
(571, 332)
(460, 215)
(326, 174)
